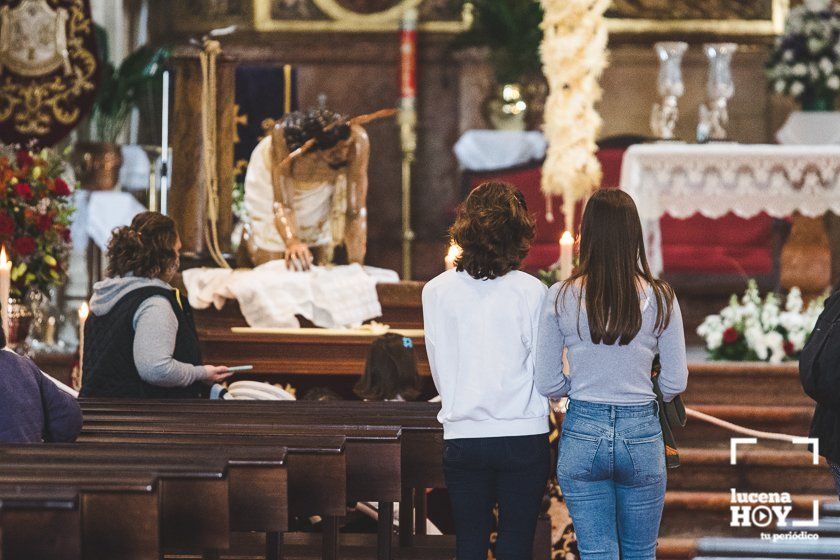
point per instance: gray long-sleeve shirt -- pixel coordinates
(155, 328)
(602, 373)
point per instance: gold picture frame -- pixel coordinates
(722, 27)
(339, 18)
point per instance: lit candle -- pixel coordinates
(164, 145)
(451, 256)
(567, 243)
(5, 288)
(49, 335)
(84, 311)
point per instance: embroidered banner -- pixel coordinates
(48, 68)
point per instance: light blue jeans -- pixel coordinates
(611, 469)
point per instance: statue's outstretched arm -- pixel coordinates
(284, 213)
(355, 234)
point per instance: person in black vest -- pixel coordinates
(140, 339)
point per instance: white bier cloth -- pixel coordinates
(270, 296)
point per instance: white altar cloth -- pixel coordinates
(713, 179)
(270, 296)
(488, 150)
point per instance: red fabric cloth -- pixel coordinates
(729, 245)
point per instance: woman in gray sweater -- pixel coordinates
(612, 317)
(140, 340)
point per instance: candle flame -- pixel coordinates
(4, 260)
(454, 252)
(566, 238)
(84, 311)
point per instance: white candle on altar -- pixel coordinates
(84, 311)
(567, 243)
(164, 146)
(5, 289)
(451, 256)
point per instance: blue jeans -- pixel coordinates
(611, 469)
(480, 472)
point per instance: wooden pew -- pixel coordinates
(373, 454)
(119, 512)
(422, 434)
(315, 462)
(257, 478)
(38, 523)
(193, 492)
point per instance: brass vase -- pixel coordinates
(506, 109)
(97, 165)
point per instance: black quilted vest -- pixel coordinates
(108, 368)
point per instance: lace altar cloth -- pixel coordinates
(714, 179)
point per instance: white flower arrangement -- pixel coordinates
(805, 62)
(752, 329)
(574, 54)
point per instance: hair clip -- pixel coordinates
(407, 343)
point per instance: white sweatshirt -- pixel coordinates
(480, 338)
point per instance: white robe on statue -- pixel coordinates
(314, 203)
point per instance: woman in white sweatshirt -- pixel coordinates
(481, 321)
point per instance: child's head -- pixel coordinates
(493, 229)
(390, 370)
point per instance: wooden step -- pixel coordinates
(703, 514)
(827, 527)
(762, 470)
(745, 383)
(675, 548)
(830, 509)
(793, 420)
(758, 548)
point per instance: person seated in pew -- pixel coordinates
(140, 339)
(390, 371)
(33, 408)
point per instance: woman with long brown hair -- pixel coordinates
(613, 317)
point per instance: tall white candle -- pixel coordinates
(451, 256)
(164, 146)
(5, 289)
(567, 243)
(84, 311)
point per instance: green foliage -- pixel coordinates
(134, 84)
(511, 30)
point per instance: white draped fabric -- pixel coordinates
(488, 150)
(270, 296)
(713, 179)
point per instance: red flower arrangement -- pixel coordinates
(35, 216)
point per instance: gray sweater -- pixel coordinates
(155, 327)
(602, 373)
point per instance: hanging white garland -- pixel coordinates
(574, 54)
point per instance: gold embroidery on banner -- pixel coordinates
(34, 104)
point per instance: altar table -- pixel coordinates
(282, 355)
(714, 179)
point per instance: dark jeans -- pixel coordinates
(835, 472)
(480, 472)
